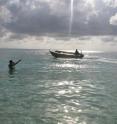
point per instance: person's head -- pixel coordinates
(10, 61)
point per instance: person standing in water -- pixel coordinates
(76, 52)
(12, 64)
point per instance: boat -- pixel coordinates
(65, 54)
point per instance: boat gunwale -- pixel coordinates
(63, 55)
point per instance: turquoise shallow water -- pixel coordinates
(45, 90)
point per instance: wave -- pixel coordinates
(107, 60)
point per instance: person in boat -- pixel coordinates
(12, 64)
(76, 52)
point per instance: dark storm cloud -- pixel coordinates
(37, 21)
(3, 2)
(44, 17)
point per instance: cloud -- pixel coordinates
(87, 43)
(3, 2)
(5, 15)
(22, 19)
(111, 3)
(38, 19)
(113, 20)
(42, 17)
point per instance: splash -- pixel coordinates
(71, 16)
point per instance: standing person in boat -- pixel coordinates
(76, 52)
(12, 64)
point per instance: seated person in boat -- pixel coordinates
(76, 52)
(12, 64)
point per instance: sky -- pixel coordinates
(59, 24)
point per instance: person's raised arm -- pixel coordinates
(17, 61)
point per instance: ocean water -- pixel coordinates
(45, 90)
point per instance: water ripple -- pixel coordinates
(43, 90)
